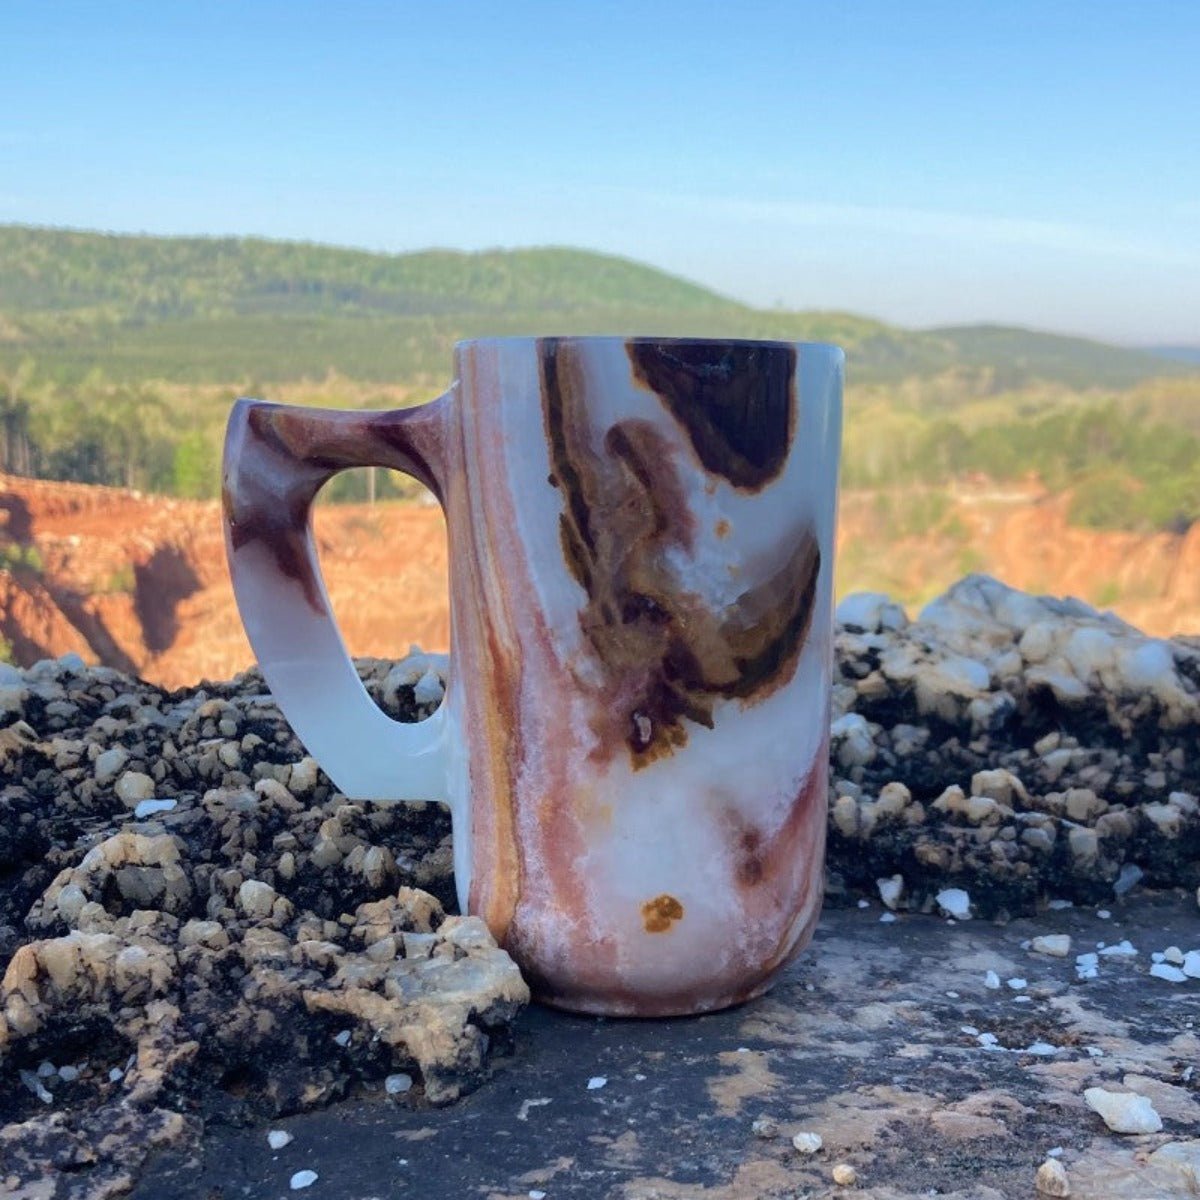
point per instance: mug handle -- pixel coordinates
(277, 458)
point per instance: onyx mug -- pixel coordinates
(633, 742)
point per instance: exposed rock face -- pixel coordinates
(263, 946)
(140, 582)
(259, 948)
(1016, 747)
(173, 619)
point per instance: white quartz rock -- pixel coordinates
(1165, 971)
(1123, 1112)
(1057, 945)
(1051, 1179)
(954, 902)
(854, 745)
(870, 612)
(147, 808)
(807, 1142)
(133, 787)
(890, 890)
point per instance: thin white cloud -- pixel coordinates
(971, 228)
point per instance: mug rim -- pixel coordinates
(592, 339)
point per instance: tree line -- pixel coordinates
(1124, 468)
(1131, 461)
(139, 436)
(121, 435)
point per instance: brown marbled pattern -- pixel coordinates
(666, 654)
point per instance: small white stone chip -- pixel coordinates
(807, 1142)
(1016, 983)
(147, 808)
(278, 1138)
(132, 787)
(954, 902)
(596, 1082)
(887, 918)
(108, 763)
(1123, 1112)
(35, 1085)
(398, 1084)
(1165, 971)
(1051, 1179)
(343, 1038)
(428, 689)
(844, 1175)
(891, 889)
(991, 980)
(1057, 945)
(302, 1180)
(536, 1194)
(1130, 876)
(1191, 964)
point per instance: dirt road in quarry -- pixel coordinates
(139, 582)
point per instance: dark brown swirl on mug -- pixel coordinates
(735, 400)
(665, 654)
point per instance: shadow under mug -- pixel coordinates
(633, 742)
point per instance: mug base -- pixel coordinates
(649, 1007)
(625, 1003)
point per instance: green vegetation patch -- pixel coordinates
(119, 357)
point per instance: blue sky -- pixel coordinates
(1034, 163)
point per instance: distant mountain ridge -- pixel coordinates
(179, 277)
(1184, 354)
(220, 309)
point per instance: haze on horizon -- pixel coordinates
(1028, 164)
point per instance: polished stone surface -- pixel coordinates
(884, 1038)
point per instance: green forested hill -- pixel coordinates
(161, 278)
(1017, 355)
(119, 357)
(221, 310)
